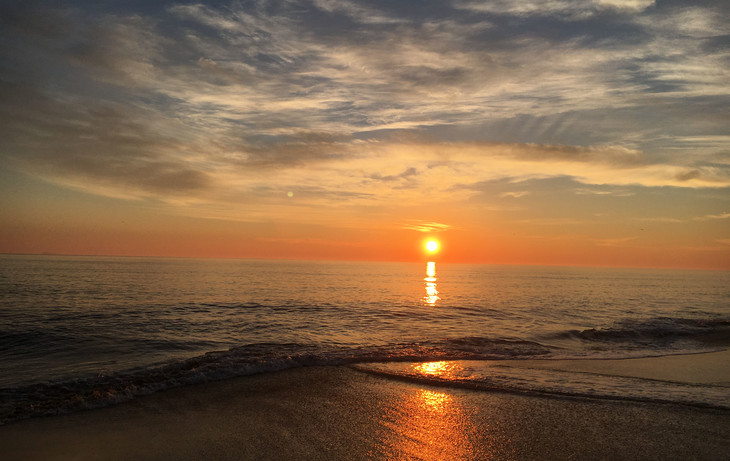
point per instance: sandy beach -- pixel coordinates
(342, 413)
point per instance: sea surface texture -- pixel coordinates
(81, 332)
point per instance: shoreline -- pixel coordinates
(710, 368)
(671, 378)
(341, 413)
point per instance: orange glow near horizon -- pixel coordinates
(62, 226)
(85, 225)
(150, 235)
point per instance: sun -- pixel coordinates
(432, 246)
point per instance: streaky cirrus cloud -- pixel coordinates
(426, 226)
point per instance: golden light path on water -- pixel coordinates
(441, 369)
(432, 294)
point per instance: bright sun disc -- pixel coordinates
(432, 246)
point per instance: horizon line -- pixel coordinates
(355, 260)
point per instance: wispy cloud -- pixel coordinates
(514, 194)
(714, 216)
(224, 108)
(356, 11)
(661, 219)
(427, 226)
(604, 192)
(578, 10)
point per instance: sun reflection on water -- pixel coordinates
(432, 294)
(442, 369)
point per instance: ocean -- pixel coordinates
(85, 332)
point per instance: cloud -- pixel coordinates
(99, 147)
(126, 51)
(404, 175)
(714, 216)
(579, 9)
(353, 105)
(549, 7)
(515, 194)
(604, 192)
(661, 219)
(356, 11)
(428, 227)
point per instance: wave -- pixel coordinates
(660, 332)
(62, 396)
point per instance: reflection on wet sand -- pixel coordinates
(432, 294)
(429, 423)
(434, 401)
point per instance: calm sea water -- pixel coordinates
(85, 331)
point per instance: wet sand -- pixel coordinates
(341, 413)
(703, 368)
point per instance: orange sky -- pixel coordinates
(567, 133)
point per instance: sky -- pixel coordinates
(553, 132)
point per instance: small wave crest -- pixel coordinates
(661, 332)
